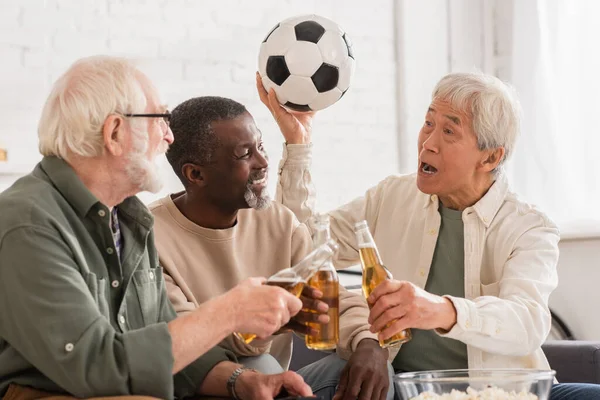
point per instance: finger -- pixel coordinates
(262, 93)
(304, 317)
(295, 385)
(303, 114)
(314, 305)
(254, 281)
(283, 329)
(354, 385)
(396, 327)
(311, 292)
(299, 328)
(380, 390)
(383, 304)
(383, 393)
(276, 109)
(367, 386)
(342, 384)
(386, 287)
(389, 316)
(294, 304)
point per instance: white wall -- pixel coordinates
(435, 37)
(577, 297)
(423, 58)
(191, 48)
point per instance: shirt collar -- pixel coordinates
(135, 209)
(67, 182)
(487, 207)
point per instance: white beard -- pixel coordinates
(261, 202)
(142, 173)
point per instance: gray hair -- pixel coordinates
(493, 104)
(80, 101)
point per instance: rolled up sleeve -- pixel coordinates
(191, 377)
(295, 188)
(188, 380)
(149, 356)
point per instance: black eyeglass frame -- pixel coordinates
(165, 116)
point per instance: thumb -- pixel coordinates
(294, 304)
(343, 383)
(295, 385)
(278, 111)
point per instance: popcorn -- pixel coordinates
(490, 393)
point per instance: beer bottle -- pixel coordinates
(293, 279)
(374, 273)
(326, 280)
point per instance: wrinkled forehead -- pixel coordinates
(454, 105)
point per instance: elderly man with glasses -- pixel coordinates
(83, 306)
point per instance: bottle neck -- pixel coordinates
(321, 237)
(327, 266)
(369, 257)
(365, 240)
(314, 261)
(321, 234)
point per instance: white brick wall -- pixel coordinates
(191, 48)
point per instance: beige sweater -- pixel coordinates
(202, 263)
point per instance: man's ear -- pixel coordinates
(114, 135)
(492, 159)
(194, 174)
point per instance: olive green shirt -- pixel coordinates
(427, 350)
(74, 317)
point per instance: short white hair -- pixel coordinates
(80, 101)
(493, 104)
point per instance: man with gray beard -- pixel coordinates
(83, 307)
(224, 228)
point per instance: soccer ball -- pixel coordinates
(309, 62)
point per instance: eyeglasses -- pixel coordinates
(165, 116)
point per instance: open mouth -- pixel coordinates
(428, 168)
(259, 182)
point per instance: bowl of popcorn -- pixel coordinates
(475, 384)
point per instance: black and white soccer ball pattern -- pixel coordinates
(309, 62)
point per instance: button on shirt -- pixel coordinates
(63, 328)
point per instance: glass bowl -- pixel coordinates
(501, 384)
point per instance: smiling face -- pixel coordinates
(238, 176)
(450, 161)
